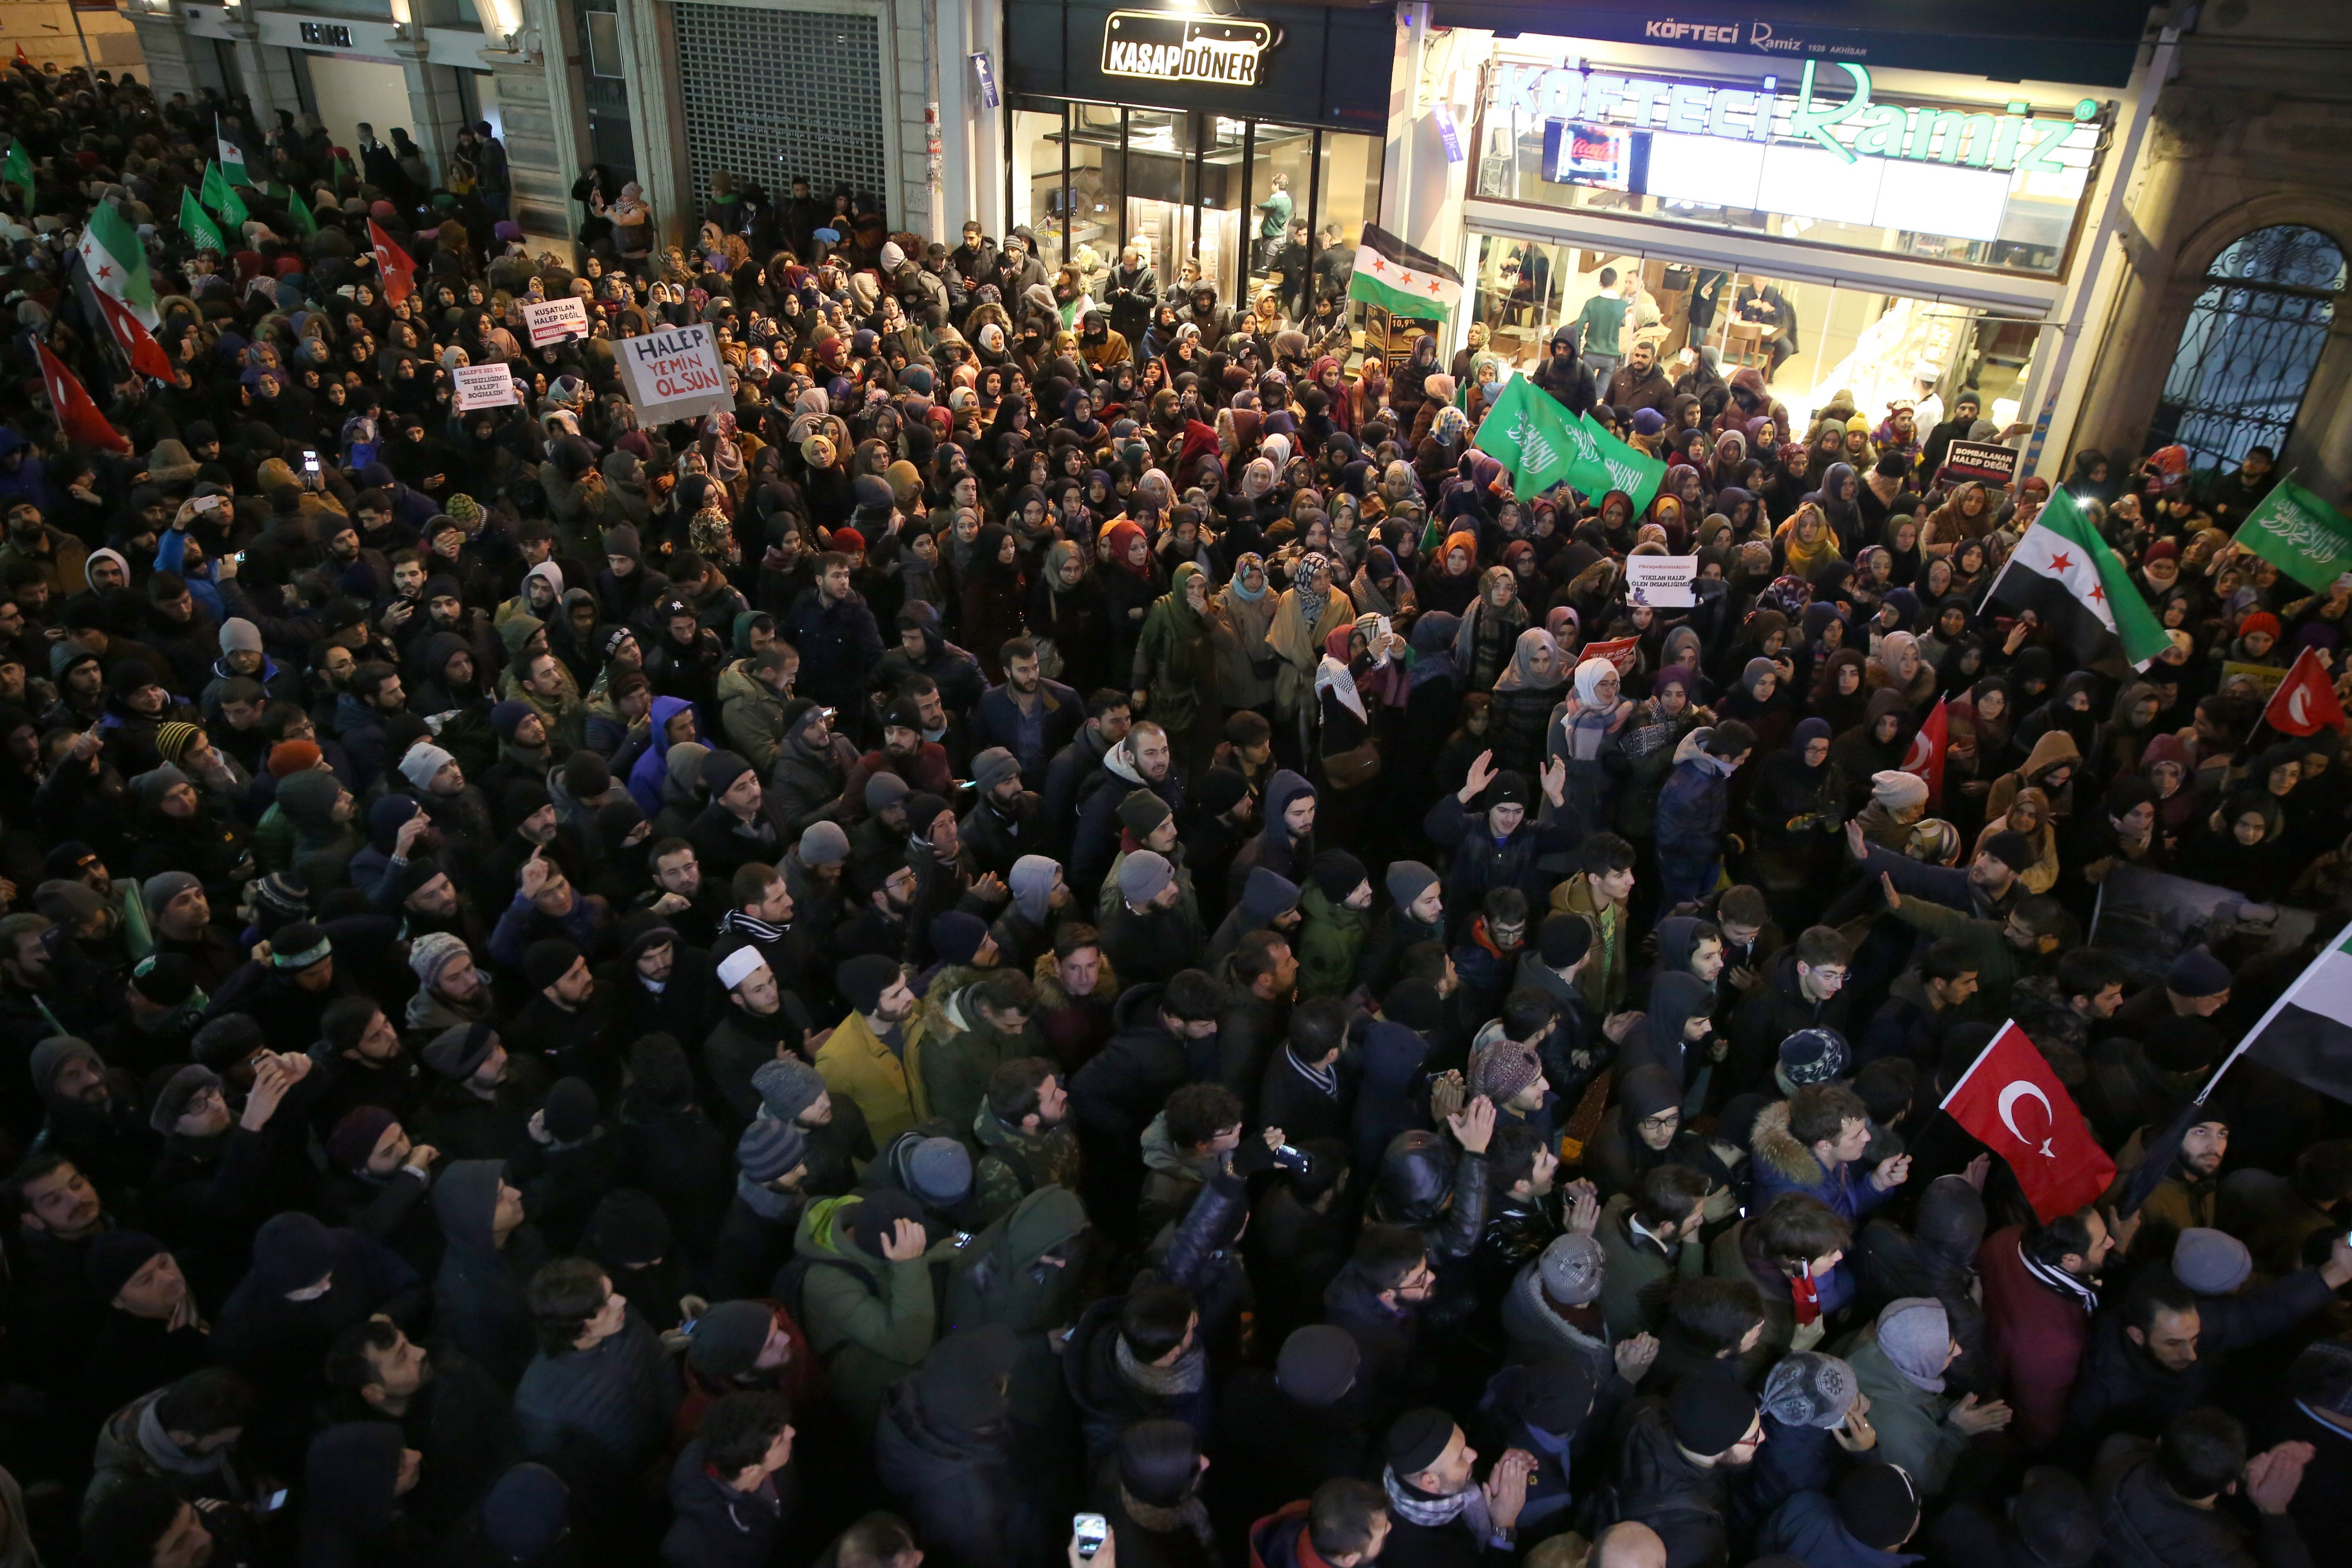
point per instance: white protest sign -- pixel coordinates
(485, 387)
(555, 321)
(1661, 581)
(674, 375)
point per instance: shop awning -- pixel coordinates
(2089, 42)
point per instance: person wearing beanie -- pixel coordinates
(1415, 912)
(950, 1457)
(870, 1311)
(874, 1057)
(1435, 1495)
(732, 829)
(1149, 933)
(1269, 902)
(755, 1238)
(1006, 821)
(1337, 908)
(567, 1021)
(1864, 1523)
(1920, 1426)
(150, 1332)
(1679, 1459)
(274, 1329)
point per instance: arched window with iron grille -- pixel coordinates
(2251, 341)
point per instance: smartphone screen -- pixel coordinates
(1091, 1529)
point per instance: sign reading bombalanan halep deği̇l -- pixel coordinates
(1856, 126)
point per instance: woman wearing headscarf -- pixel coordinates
(1449, 581)
(991, 599)
(1872, 746)
(1307, 613)
(1068, 608)
(2070, 710)
(2115, 745)
(1176, 664)
(2050, 767)
(1379, 588)
(1129, 583)
(1361, 678)
(1489, 634)
(1432, 708)
(1840, 691)
(1796, 803)
(1583, 735)
(1760, 699)
(1896, 667)
(2028, 816)
(1524, 698)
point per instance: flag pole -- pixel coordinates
(2251, 1036)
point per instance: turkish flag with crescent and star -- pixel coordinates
(78, 416)
(2305, 702)
(2012, 1103)
(399, 273)
(1926, 757)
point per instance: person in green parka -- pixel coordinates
(869, 1312)
(1337, 904)
(1177, 663)
(1025, 1273)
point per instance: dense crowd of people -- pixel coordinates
(1053, 916)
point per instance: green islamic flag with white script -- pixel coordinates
(1531, 435)
(16, 168)
(232, 157)
(2301, 534)
(198, 226)
(1636, 473)
(117, 263)
(304, 223)
(219, 196)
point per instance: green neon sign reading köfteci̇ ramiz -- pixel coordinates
(1886, 131)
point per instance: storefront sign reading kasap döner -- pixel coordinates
(1854, 127)
(1161, 47)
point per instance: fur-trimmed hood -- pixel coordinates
(1047, 976)
(1778, 1147)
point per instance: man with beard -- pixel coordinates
(812, 767)
(835, 635)
(1442, 1515)
(760, 912)
(1142, 761)
(447, 1408)
(652, 981)
(732, 831)
(1103, 346)
(481, 1109)
(886, 891)
(1563, 375)
(1004, 822)
(93, 1113)
(1639, 383)
(1679, 1458)
(922, 764)
(2040, 1288)
(1029, 716)
(764, 1023)
(566, 1022)
(873, 1058)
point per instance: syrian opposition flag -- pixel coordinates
(1925, 758)
(2305, 702)
(2307, 1033)
(137, 344)
(77, 417)
(2012, 1103)
(2064, 572)
(399, 271)
(117, 263)
(1400, 279)
(232, 156)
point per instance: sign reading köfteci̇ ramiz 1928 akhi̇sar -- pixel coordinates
(673, 375)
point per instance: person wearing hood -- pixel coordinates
(1175, 667)
(354, 1477)
(1921, 1426)
(1563, 375)
(1285, 845)
(945, 1448)
(752, 691)
(480, 1295)
(1143, 758)
(308, 1284)
(1695, 808)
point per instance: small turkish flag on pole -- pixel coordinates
(399, 271)
(139, 345)
(77, 417)
(2305, 701)
(1926, 757)
(2013, 1104)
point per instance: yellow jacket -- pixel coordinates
(853, 1061)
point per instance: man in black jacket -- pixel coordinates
(1566, 378)
(2157, 1501)
(731, 1487)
